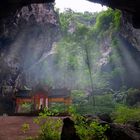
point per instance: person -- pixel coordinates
(41, 107)
(68, 130)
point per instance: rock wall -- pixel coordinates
(129, 32)
(25, 42)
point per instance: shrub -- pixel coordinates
(50, 128)
(25, 127)
(104, 104)
(108, 19)
(58, 107)
(124, 114)
(89, 131)
(133, 97)
(26, 107)
(29, 138)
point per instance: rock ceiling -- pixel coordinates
(8, 7)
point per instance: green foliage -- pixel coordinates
(26, 107)
(89, 131)
(29, 138)
(25, 127)
(79, 50)
(65, 19)
(129, 97)
(107, 20)
(58, 108)
(71, 60)
(92, 131)
(78, 96)
(48, 112)
(85, 40)
(69, 17)
(82, 103)
(133, 97)
(124, 114)
(50, 128)
(117, 19)
(105, 103)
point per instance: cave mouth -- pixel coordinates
(85, 6)
(43, 49)
(57, 59)
(9, 7)
(67, 62)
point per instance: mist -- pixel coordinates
(77, 51)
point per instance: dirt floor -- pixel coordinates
(11, 128)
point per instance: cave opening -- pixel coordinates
(65, 56)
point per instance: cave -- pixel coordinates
(19, 20)
(31, 37)
(9, 7)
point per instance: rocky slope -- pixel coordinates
(25, 41)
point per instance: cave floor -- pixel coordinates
(11, 127)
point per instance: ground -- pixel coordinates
(11, 127)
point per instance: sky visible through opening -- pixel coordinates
(79, 5)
